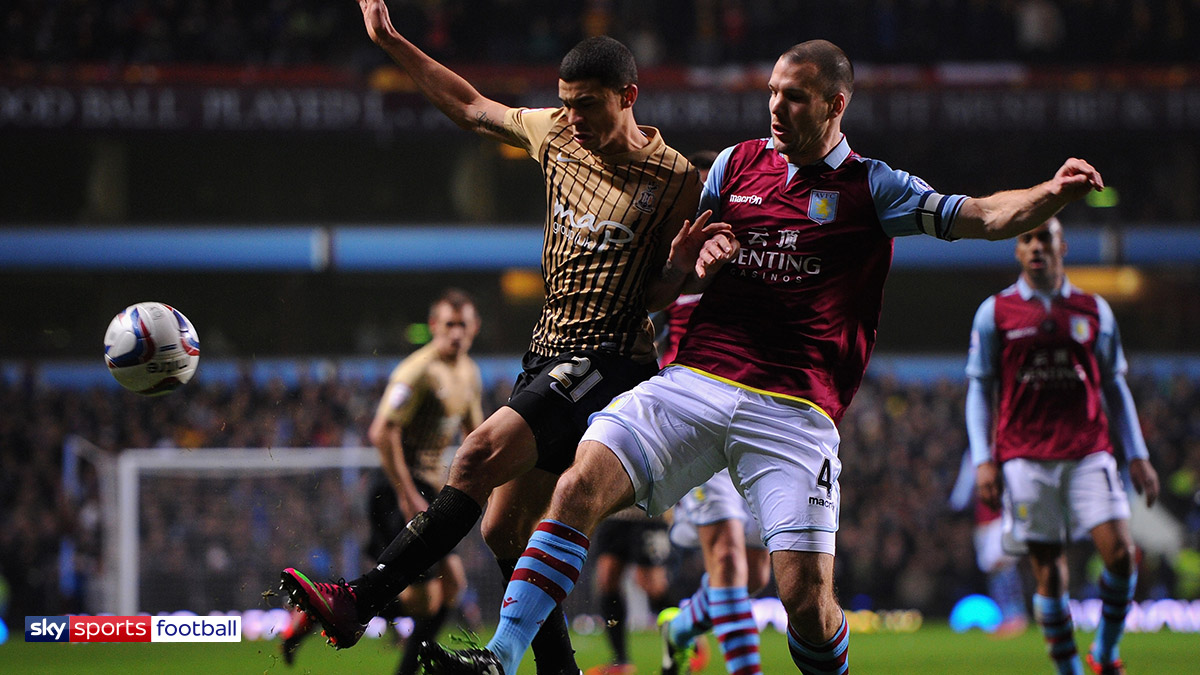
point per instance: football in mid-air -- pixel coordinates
(151, 348)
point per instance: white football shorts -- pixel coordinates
(1059, 501)
(675, 430)
(715, 501)
(990, 552)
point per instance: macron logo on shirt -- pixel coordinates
(745, 199)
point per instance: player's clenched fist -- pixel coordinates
(378, 21)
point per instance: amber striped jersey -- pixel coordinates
(432, 400)
(609, 224)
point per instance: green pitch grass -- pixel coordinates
(933, 650)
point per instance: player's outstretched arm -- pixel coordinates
(449, 92)
(1007, 214)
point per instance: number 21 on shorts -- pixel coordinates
(575, 378)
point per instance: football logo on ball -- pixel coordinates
(151, 348)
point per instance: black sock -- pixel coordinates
(425, 540)
(612, 605)
(552, 649)
(392, 610)
(425, 629)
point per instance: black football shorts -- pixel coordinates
(556, 395)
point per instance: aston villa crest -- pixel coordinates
(1081, 330)
(645, 201)
(822, 206)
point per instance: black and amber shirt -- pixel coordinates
(609, 224)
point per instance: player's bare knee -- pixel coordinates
(579, 495)
(729, 565)
(477, 465)
(1120, 560)
(487, 459)
(805, 616)
(813, 615)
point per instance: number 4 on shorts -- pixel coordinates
(825, 478)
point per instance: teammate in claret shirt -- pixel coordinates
(1044, 358)
(773, 354)
(997, 558)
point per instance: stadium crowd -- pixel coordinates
(901, 545)
(705, 32)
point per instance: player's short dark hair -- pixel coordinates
(599, 58)
(833, 66)
(702, 159)
(455, 298)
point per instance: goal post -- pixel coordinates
(209, 530)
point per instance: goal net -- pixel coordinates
(209, 530)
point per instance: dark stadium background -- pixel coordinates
(145, 146)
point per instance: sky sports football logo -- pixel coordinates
(133, 629)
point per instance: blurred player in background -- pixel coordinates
(628, 538)
(432, 396)
(1045, 361)
(616, 244)
(997, 564)
(674, 318)
(772, 356)
(715, 518)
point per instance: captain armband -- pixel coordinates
(929, 215)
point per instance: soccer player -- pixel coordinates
(616, 244)
(1045, 361)
(715, 518)
(628, 538)
(432, 395)
(772, 356)
(992, 553)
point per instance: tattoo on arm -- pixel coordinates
(484, 122)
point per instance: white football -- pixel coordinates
(151, 348)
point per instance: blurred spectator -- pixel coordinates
(1039, 27)
(705, 32)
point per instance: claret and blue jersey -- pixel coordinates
(1051, 360)
(795, 314)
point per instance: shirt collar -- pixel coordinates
(1028, 291)
(833, 159)
(654, 144)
